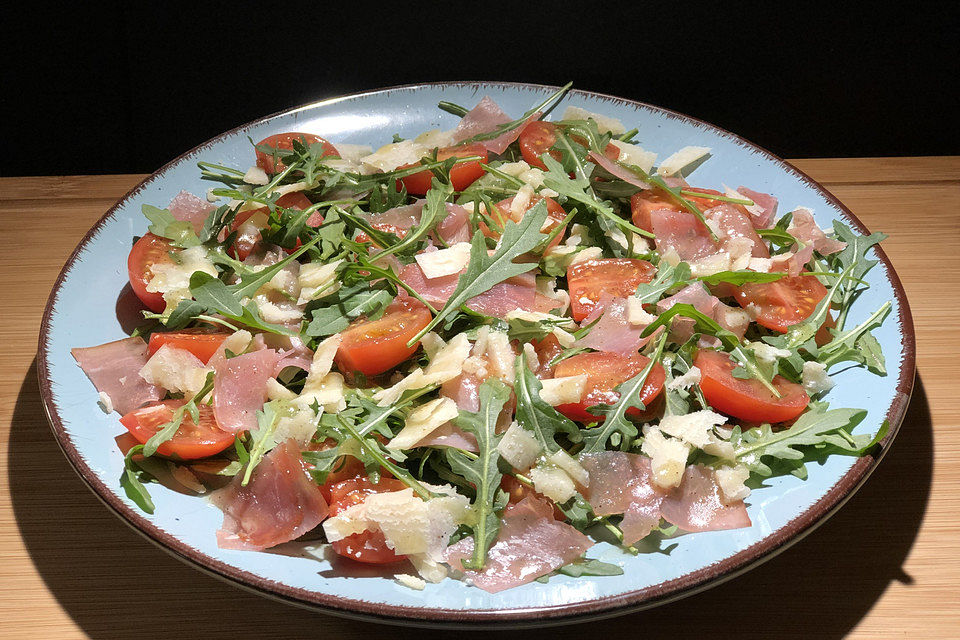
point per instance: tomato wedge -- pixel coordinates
(590, 279)
(643, 203)
(555, 215)
(747, 399)
(604, 372)
(145, 253)
(783, 302)
(199, 342)
(285, 141)
(374, 346)
(192, 441)
(247, 238)
(369, 547)
(462, 175)
(538, 137)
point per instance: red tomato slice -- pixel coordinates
(285, 141)
(747, 399)
(462, 175)
(374, 346)
(604, 372)
(555, 215)
(199, 342)
(783, 302)
(245, 243)
(192, 441)
(538, 137)
(590, 279)
(146, 252)
(369, 547)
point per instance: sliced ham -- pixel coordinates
(683, 232)
(621, 172)
(519, 292)
(792, 262)
(733, 223)
(613, 332)
(279, 504)
(764, 207)
(804, 228)
(403, 217)
(696, 505)
(464, 390)
(530, 544)
(240, 387)
(730, 318)
(436, 291)
(114, 369)
(621, 483)
(187, 207)
(455, 227)
(450, 435)
(485, 118)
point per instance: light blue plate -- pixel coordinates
(81, 312)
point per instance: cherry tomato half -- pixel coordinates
(538, 137)
(747, 399)
(604, 372)
(199, 342)
(783, 302)
(590, 279)
(247, 237)
(148, 251)
(462, 175)
(192, 441)
(374, 346)
(555, 215)
(285, 141)
(369, 547)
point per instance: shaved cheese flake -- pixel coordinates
(768, 354)
(565, 390)
(531, 357)
(501, 355)
(605, 124)
(444, 262)
(552, 482)
(353, 152)
(446, 365)
(682, 159)
(762, 265)
(635, 155)
(693, 428)
(172, 279)
(731, 481)
(423, 421)
(435, 138)
(519, 447)
(590, 253)
(301, 426)
(687, 380)
(411, 582)
(237, 342)
(571, 467)
(636, 315)
(276, 391)
(668, 457)
(815, 379)
(175, 370)
(316, 279)
(256, 175)
(521, 202)
(390, 156)
(105, 403)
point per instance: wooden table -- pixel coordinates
(887, 565)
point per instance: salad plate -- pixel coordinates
(86, 308)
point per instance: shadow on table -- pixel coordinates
(115, 584)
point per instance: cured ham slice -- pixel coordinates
(696, 505)
(793, 262)
(804, 228)
(187, 207)
(403, 218)
(732, 224)
(613, 332)
(114, 369)
(621, 172)
(518, 292)
(455, 227)
(436, 291)
(240, 387)
(622, 483)
(464, 390)
(280, 503)
(450, 435)
(486, 117)
(763, 210)
(530, 544)
(682, 232)
(695, 294)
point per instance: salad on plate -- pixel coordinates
(478, 352)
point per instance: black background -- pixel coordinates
(126, 87)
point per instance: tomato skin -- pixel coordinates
(604, 372)
(462, 175)
(146, 252)
(285, 141)
(244, 245)
(643, 203)
(555, 215)
(369, 547)
(784, 302)
(590, 279)
(538, 137)
(374, 346)
(747, 399)
(199, 342)
(191, 441)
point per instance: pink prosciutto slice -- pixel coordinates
(455, 227)
(709, 305)
(621, 172)
(240, 387)
(530, 544)
(735, 224)
(280, 503)
(114, 369)
(621, 483)
(518, 292)
(804, 228)
(404, 217)
(436, 291)
(764, 207)
(613, 332)
(682, 232)
(794, 261)
(696, 505)
(187, 207)
(485, 118)
(450, 435)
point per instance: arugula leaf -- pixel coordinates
(513, 124)
(434, 210)
(589, 567)
(535, 415)
(668, 277)
(858, 344)
(166, 431)
(163, 224)
(741, 277)
(852, 259)
(131, 484)
(482, 472)
(263, 440)
(486, 271)
(212, 293)
(371, 447)
(616, 421)
(339, 309)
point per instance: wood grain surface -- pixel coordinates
(887, 565)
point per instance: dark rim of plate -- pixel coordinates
(610, 606)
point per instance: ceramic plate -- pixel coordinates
(82, 311)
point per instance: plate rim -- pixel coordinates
(688, 584)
